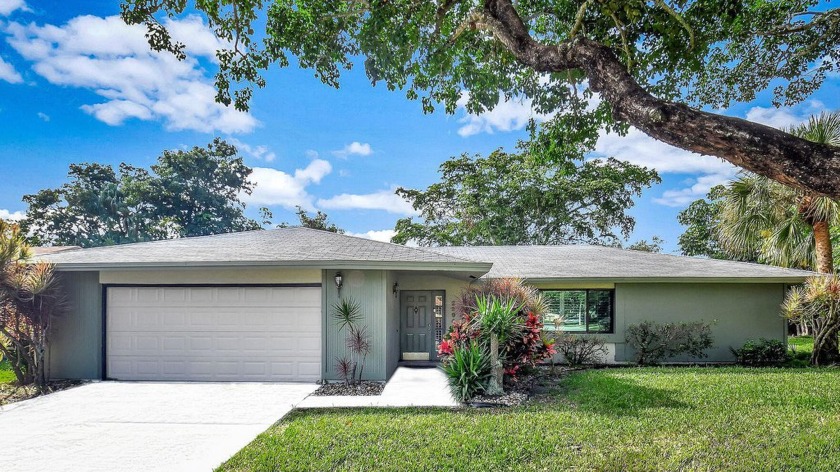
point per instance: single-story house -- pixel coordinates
(257, 305)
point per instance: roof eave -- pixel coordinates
(478, 268)
(791, 279)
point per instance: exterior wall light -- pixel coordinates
(338, 281)
(395, 289)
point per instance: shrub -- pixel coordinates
(655, 342)
(580, 350)
(763, 352)
(524, 347)
(468, 370)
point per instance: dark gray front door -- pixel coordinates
(416, 325)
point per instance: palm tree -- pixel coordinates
(783, 226)
(777, 224)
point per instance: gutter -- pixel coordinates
(478, 268)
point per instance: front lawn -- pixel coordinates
(612, 419)
(6, 374)
(803, 344)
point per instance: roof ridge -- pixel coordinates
(376, 241)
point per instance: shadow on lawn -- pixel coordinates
(604, 394)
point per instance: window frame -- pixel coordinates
(586, 304)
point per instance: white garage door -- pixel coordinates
(253, 334)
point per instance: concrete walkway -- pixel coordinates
(407, 387)
(143, 426)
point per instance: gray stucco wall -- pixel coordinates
(76, 335)
(367, 287)
(739, 312)
(392, 325)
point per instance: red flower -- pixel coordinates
(445, 348)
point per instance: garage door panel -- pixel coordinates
(214, 333)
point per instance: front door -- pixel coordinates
(416, 325)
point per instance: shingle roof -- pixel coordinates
(603, 263)
(286, 246)
(45, 250)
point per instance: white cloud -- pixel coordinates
(312, 154)
(383, 235)
(11, 215)
(260, 153)
(9, 6)
(43, 116)
(698, 189)
(8, 73)
(640, 149)
(508, 115)
(114, 60)
(275, 187)
(385, 200)
(354, 148)
(785, 117)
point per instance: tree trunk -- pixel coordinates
(826, 348)
(761, 149)
(822, 247)
(494, 386)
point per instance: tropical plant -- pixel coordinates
(500, 319)
(507, 305)
(817, 303)
(655, 65)
(507, 288)
(468, 371)
(654, 342)
(347, 314)
(777, 224)
(762, 352)
(30, 298)
(580, 350)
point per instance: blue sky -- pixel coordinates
(77, 85)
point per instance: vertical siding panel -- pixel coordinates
(76, 335)
(367, 287)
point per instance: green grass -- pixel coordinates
(802, 343)
(613, 419)
(6, 374)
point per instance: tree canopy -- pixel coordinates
(525, 198)
(655, 64)
(700, 218)
(319, 220)
(186, 193)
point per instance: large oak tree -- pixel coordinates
(657, 64)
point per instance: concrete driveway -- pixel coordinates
(125, 426)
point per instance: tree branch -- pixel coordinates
(761, 149)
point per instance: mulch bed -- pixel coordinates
(535, 387)
(11, 393)
(341, 389)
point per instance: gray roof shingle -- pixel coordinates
(604, 263)
(286, 246)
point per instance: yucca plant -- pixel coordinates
(817, 302)
(347, 314)
(468, 370)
